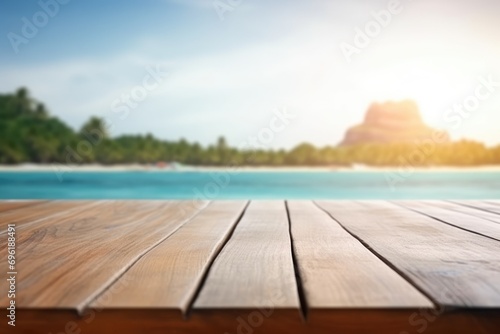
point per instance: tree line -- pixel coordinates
(28, 133)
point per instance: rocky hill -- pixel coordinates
(389, 122)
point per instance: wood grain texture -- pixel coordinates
(255, 268)
(43, 211)
(488, 206)
(337, 271)
(69, 262)
(475, 224)
(107, 249)
(350, 321)
(403, 321)
(170, 274)
(12, 205)
(453, 266)
(474, 212)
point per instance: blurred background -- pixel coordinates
(171, 84)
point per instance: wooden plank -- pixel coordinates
(38, 213)
(453, 266)
(466, 210)
(487, 206)
(17, 204)
(461, 220)
(111, 217)
(169, 276)
(326, 321)
(66, 263)
(337, 271)
(255, 268)
(402, 321)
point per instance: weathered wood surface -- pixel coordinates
(169, 275)
(67, 263)
(454, 267)
(488, 206)
(337, 271)
(269, 267)
(255, 268)
(465, 221)
(468, 210)
(12, 205)
(44, 211)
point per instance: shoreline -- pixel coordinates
(150, 168)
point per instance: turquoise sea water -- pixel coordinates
(249, 185)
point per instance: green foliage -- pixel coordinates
(95, 127)
(29, 134)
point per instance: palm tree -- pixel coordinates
(95, 128)
(40, 111)
(222, 150)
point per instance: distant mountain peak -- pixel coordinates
(390, 122)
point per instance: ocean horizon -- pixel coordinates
(220, 185)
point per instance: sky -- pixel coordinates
(225, 67)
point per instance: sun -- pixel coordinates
(435, 89)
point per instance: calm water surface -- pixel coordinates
(249, 185)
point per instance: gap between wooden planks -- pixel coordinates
(67, 262)
(453, 267)
(218, 320)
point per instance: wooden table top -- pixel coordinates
(253, 266)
